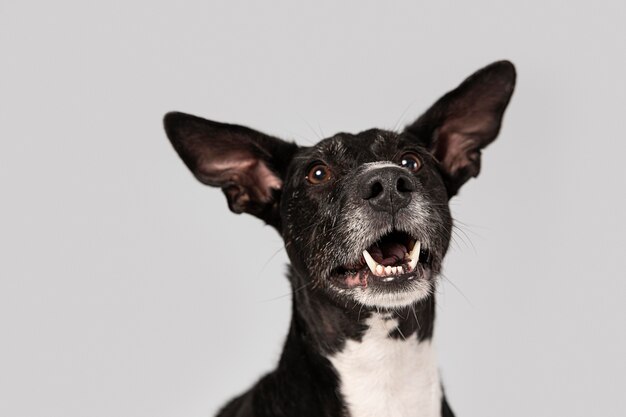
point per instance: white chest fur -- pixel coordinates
(383, 376)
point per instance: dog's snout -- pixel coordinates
(387, 189)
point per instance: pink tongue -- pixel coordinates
(390, 253)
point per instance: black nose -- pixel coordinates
(387, 189)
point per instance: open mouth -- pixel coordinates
(394, 258)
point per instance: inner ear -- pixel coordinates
(457, 145)
(464, 121)
(248, 165)
(246, 180)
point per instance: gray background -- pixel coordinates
(123, 290)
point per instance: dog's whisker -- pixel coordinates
(313, 130)
(358, 319)
(456, 238)
(465, 237)
(300, 136)
(396, 125)
(456, 288)
(469, 226)
(272, 256)
(319, 126)
(400, 331)
(415, 315)
(290, 293)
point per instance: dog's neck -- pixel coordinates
(382, 362)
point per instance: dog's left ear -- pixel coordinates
(249, 166)
(464, 121)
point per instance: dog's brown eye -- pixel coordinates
(410, 161)
(318, 174)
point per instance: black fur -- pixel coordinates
(326, 224)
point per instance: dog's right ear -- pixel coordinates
(249, 166)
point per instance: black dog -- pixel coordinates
(366, 224)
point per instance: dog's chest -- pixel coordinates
(384, 376)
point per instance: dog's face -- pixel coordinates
(364, 216)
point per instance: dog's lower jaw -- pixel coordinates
(419, 288)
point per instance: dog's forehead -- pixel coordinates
(366, 145)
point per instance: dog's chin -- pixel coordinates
(388, 295)
(395, 271)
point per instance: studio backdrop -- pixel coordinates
(127, 288)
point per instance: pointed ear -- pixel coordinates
(464, 121)
(249, 166)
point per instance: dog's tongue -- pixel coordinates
(388, 253)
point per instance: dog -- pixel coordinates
(366, 224)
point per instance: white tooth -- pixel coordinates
(373, 265)
(380, 270)
(388, 270)
(415, 252)
(414, 256)
(394, 269)
(400, 270)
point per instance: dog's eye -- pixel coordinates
(318, 174)
(410, 161)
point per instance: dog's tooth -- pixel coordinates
(415, 252)
(388, 270)
(371, 263)
(400, 270)
(380, 270)
(394, 269)
(415, 256)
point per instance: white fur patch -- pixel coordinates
(379, 164)
(388, 377)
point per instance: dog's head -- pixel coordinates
(364, 216)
